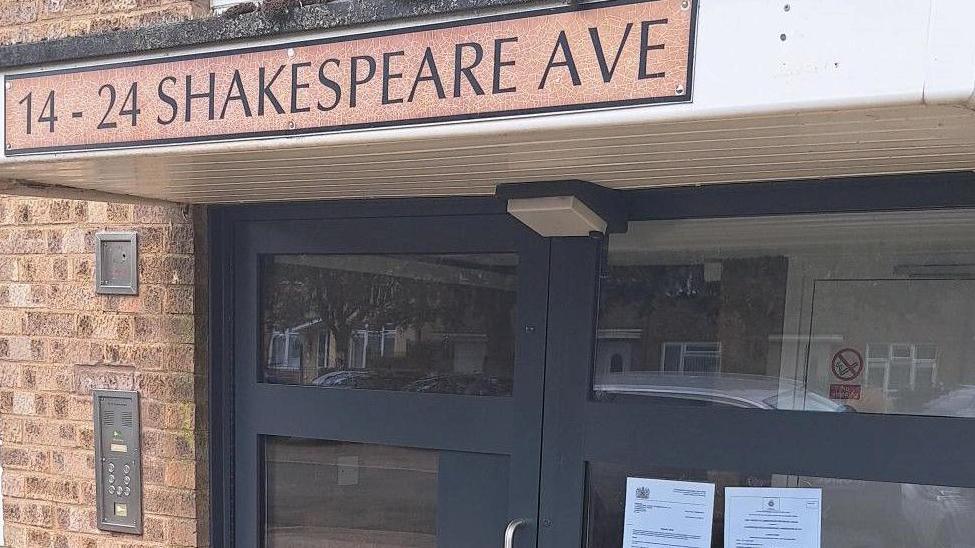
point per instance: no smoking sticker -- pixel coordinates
(847, 364)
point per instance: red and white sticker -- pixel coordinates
(844, 391)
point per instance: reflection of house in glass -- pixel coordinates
(615, 350)
(697, 318)
(417, 323)
(768, 305)
(617, 347)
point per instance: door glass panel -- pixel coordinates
(854, 514)
(869, 313)
(327, 494)
(416, 323)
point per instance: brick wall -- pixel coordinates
(59, 340)
(35, 20)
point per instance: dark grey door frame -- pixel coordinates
(644, 432)
(505, 426)
(577, 429)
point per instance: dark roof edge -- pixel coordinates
(221, 29)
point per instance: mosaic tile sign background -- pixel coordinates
(606, 54)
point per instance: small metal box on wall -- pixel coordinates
(116, 263)
(118, 461)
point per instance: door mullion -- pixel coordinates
(571, 331)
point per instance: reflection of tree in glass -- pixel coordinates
(344, 297)
(640, 288)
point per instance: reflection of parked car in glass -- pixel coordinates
(735, 390)
(467, 384)
(941, 516)
(959, 402)
(472, 384)
(368, 379)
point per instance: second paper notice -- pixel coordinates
(772, 518)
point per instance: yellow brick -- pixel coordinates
(59, 340)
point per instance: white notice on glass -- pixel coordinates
(668, 513)
(772, 517)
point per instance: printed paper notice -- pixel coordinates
(668, 513)
(772, 517)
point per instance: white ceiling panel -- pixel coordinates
(794, 146)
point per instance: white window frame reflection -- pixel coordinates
(359, 344)
(692, 350)
(894, 355)
(287, 347)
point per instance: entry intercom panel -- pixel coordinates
(118, 461)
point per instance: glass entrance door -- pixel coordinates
(394, 377)
(791, 381)
(388, 381)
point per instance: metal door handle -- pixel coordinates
(511, 529)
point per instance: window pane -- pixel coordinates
(842, 312)
(924, 379)
(900, 374)
(878, 351)
(350, 495)
(672, 356)
(858, 514)
(927, 351)
(712, 348)
(876, 374)
(418, 323)
(340, 494)
(901, 351)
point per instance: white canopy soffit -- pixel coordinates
(781, 90)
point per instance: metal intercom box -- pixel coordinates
(118, 461)
(116, 263)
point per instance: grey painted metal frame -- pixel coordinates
(647, 432)
(130, 248)
(577, 430)
(499, 426)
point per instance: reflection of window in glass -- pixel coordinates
(279, 351)
(286, 349)
(700, 357)
(899, 366)
(616, 363)
(777, 294)
(370, 345)
(418, 323)
(616, 349)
